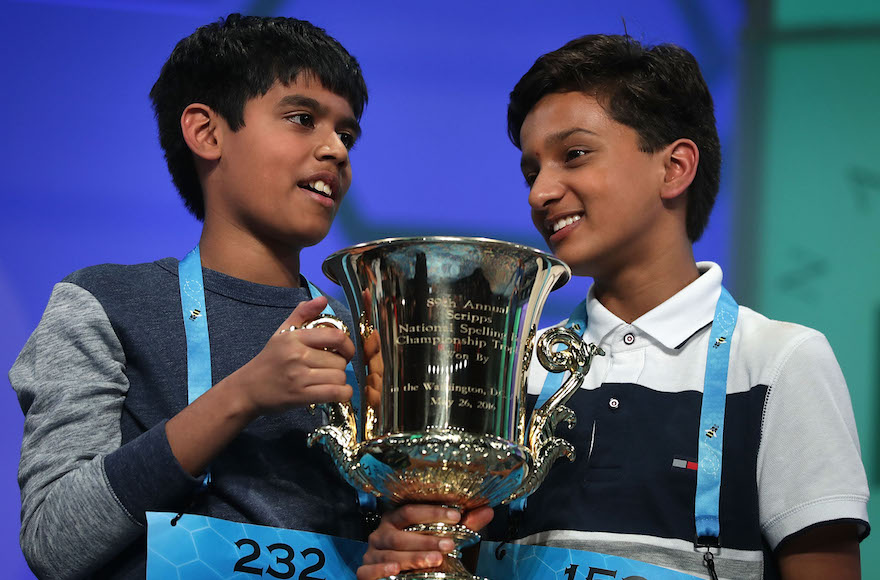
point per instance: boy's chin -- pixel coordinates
(580, 265)
(300, 239)
(307, 241)
(307, 234)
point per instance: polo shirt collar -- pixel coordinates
(672, 322)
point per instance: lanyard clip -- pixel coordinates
(711, 547)
(709, 544)
(709, 563)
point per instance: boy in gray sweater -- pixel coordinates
(128, 403)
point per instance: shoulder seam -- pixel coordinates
(777, 371)
(106, 317)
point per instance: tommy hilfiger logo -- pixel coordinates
(712, 431)
(195, 314)
(719, 341)
(679, 463)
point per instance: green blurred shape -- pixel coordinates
(810, 193)
(822, 13)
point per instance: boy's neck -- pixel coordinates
(632, 292)
(247, 258)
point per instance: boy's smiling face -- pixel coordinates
(282, 176)
(595, 196)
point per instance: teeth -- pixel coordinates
(565, 222)
(322, 187)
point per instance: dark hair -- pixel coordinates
(227, 63)
(656, 90)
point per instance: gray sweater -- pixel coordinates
(98, 379)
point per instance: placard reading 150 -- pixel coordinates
(521, 562)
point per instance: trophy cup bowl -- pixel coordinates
(447, 329)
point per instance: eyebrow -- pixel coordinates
(563, 135)
(315, 105)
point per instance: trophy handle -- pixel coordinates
(546, 448)
(339, 435)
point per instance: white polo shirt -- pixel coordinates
(791, 453)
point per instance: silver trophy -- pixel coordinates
(447, 329)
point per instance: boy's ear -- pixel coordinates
(201, 131)
(680, 164)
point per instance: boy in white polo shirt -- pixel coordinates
(622, 160)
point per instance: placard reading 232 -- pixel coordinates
(520, 562)
(204, 548)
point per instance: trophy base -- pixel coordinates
(451, 568)
(441, 466)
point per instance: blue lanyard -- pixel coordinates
(195, 323)
(198, 345)
(711, 434)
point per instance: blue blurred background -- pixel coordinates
(83, 180)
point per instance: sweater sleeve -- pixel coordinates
(809, 464)
(71, 385)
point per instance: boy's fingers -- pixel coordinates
(319, 394)
(309, 352)
(377, 571)
(305, 312)
(410, 514)
(403, 560)
(394, 540)
(321, 377)
(479, 518)
(329, 339)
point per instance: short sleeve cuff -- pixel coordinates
(831, 509)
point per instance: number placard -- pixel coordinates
(520, 562)
(204, 548)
